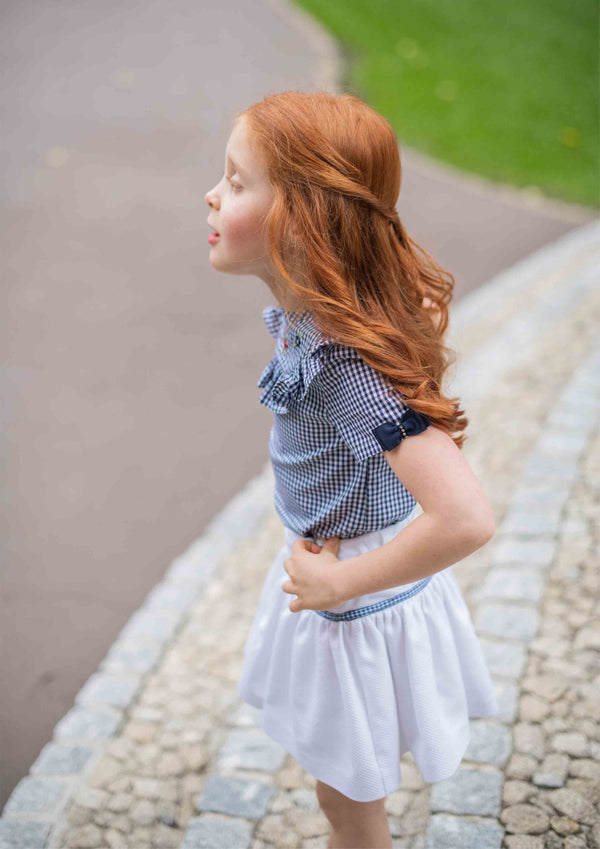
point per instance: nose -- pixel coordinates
(211, 198)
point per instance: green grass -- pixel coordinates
(508, 89)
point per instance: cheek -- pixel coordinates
(242, 228)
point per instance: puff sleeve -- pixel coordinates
(367, 411)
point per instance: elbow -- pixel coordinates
(480, 530)
(471, 531)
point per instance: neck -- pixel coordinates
(288, 301)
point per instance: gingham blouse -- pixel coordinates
(334, 416)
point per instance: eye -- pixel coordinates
(234, 186)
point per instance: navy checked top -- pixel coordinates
(334, 416)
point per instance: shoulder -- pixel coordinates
(342, 367)
(369, 412)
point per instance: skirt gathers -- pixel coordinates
(349, 690)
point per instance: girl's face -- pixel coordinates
(238, 204)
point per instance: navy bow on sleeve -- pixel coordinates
(410, 423)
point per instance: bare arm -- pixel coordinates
(457, 518)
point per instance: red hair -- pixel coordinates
(334, 164)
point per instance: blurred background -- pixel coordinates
(129, 366)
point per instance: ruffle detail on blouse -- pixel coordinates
(282, 388)
(286, 379)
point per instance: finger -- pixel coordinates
(332, 544)
(306, 545)
(287, 587)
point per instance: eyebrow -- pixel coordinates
(237, 167)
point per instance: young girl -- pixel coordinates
(376, 653)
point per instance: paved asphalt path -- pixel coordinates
(129, 366)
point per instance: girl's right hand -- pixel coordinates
(313, 586)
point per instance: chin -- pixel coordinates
(226, 268)
(216, 262)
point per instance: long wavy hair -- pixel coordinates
(334, 164)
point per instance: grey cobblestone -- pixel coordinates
(150, 623)
(206, 832)
(236, 796)
(514, 621)
(524, 553)
(564, 441)
(108, 689)
(514, 584)
(16, 834)
(166, 596)
(58, 759)
(503, 659)
(535, 495)
(532, 523)
(469, 791)
(507, 698)
(544, 465)
(36, 795)
(82, 721)
(251, 750)
(131, 656)
(490, 743)
(452, 832)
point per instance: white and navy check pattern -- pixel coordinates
(331, 478)
(367, 610)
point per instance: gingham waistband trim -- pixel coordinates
(373, 608)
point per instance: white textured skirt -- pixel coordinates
(347, 691)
